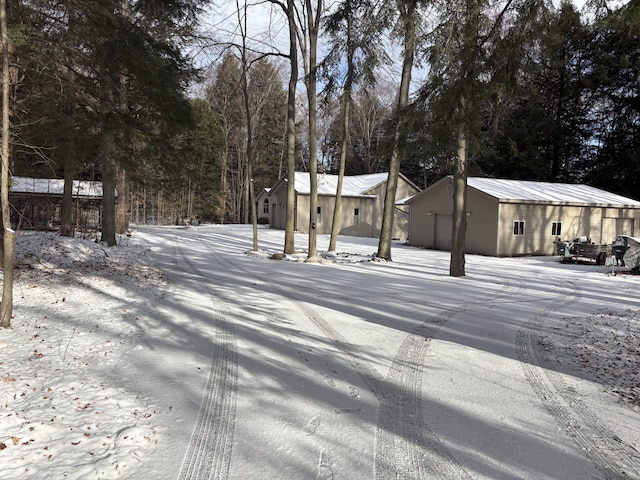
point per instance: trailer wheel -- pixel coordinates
(601, 259)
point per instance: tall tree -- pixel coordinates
(225, 96)
(409, 15)
(246, 95)
(538, 128)
(313, 12)
(248, 113)
(269, 102)
(289, 10)
(343, 15)
(352, 30)
(473, 52)
(132, 76)
(259, 85)
(8, 234)
(612, 162)
(201, 149)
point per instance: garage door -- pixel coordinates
(444, 225)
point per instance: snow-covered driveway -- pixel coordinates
(294, 370)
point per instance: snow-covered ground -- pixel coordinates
(180, 355)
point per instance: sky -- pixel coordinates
(267, 28)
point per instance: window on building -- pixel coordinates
(319, 216)
(518, 228)
(556, 229)
(356, 215)
(265, 208)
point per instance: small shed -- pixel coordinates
(37, 203)
(514, 217)
(362, 204)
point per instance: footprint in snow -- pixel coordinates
(327, 378)
(310, 428)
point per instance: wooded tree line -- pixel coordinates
(564, 107)
(98, 92)
(97, 89)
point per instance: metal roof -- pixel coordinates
(352, 185)
(522, 190)
(54, 186)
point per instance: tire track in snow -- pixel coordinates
(405, 445)
(609, 455)
(208, 455)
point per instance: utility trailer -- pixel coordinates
(582, 249)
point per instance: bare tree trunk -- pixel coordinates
(459, 228)
(251, 199)
(346, 110)
(289, 246)
(122, 203)
(245, 193)
(108, 193)
(386, 232)
(313, 27)
(159, 209)
(8, 237)
(223, 182)
(66, 214)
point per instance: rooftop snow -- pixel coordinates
(54, 186)
(547, 192)
(353, 186)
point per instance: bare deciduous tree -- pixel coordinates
(8, 234)
(408, 18)
(309, 44)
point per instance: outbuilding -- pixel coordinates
(37, 203)
(512, 217)
(362, 204)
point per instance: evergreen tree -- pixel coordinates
(476, 51)
(537, 129)
(200, 149)
(409, 16)
(613, 162)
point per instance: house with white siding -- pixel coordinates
(514, 217)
